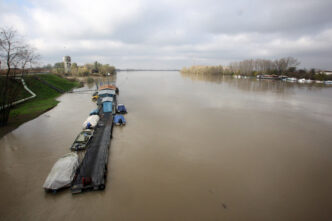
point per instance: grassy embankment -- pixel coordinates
(45, 99)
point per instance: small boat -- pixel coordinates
(82, 140)
(302, 80)
(268, 76)
(95, 96)
(309, 81)
(319, 82)
(121, 109)
(328, 82)
(119, 120)
(291, 79)
(90, 122)
(62, 173)
(282, 77)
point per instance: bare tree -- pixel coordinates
(17, 56)
(27, 57)
(283, 64)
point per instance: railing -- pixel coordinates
(33, 95)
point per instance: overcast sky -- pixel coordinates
(174, 33)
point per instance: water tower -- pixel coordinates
(67, 63)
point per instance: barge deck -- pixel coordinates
(91, 175)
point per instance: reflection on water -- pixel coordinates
(216, 149)
(97, 80)
(253, 84)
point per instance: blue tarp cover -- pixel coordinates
(119, 117)
(107, 107)
(122, 108)
(94, 112)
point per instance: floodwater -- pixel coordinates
(194, 148)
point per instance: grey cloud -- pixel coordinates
(172, 33)
(270, 16)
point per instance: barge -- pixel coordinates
(85, 168)
(92, 172)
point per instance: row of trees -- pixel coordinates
(83, 70)
(200, 70)
(252, 67)
(262, 66)
(18, 57)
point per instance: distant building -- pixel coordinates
(325, 72)
(67, 63)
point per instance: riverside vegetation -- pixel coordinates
(253, 67)
(45, 99)
(95, 69)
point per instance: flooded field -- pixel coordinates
(194, 148)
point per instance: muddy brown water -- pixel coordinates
(194, 148)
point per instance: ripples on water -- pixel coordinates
(194, 148)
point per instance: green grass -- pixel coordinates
(59, 82)
(45, 95)
(45, 100)
(20, 92)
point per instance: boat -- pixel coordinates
(106, 90)
(62, 173)
(282, 77)
(302, 80)
(82, 140)
(95, 96)
(111, 87)
(309, 81)
(105, 93)
(121, 109)
(90, 122)
(268, 76)
(119, 120)
(328, 82)
(291, 79)
(319, 82)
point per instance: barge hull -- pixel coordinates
(91, 175)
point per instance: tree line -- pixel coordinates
(251, 67)
(81, 70)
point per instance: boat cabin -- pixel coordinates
(105, 99)
(106, 93)
(107, 107)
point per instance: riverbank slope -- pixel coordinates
(44, 86)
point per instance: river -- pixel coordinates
(194, 148)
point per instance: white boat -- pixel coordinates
(319, 82)
(302, 80)
(90, 122)
(62, 173)
(291, 79)
(328, 82)
(308, 81)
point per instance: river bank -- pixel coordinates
(47, 87)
